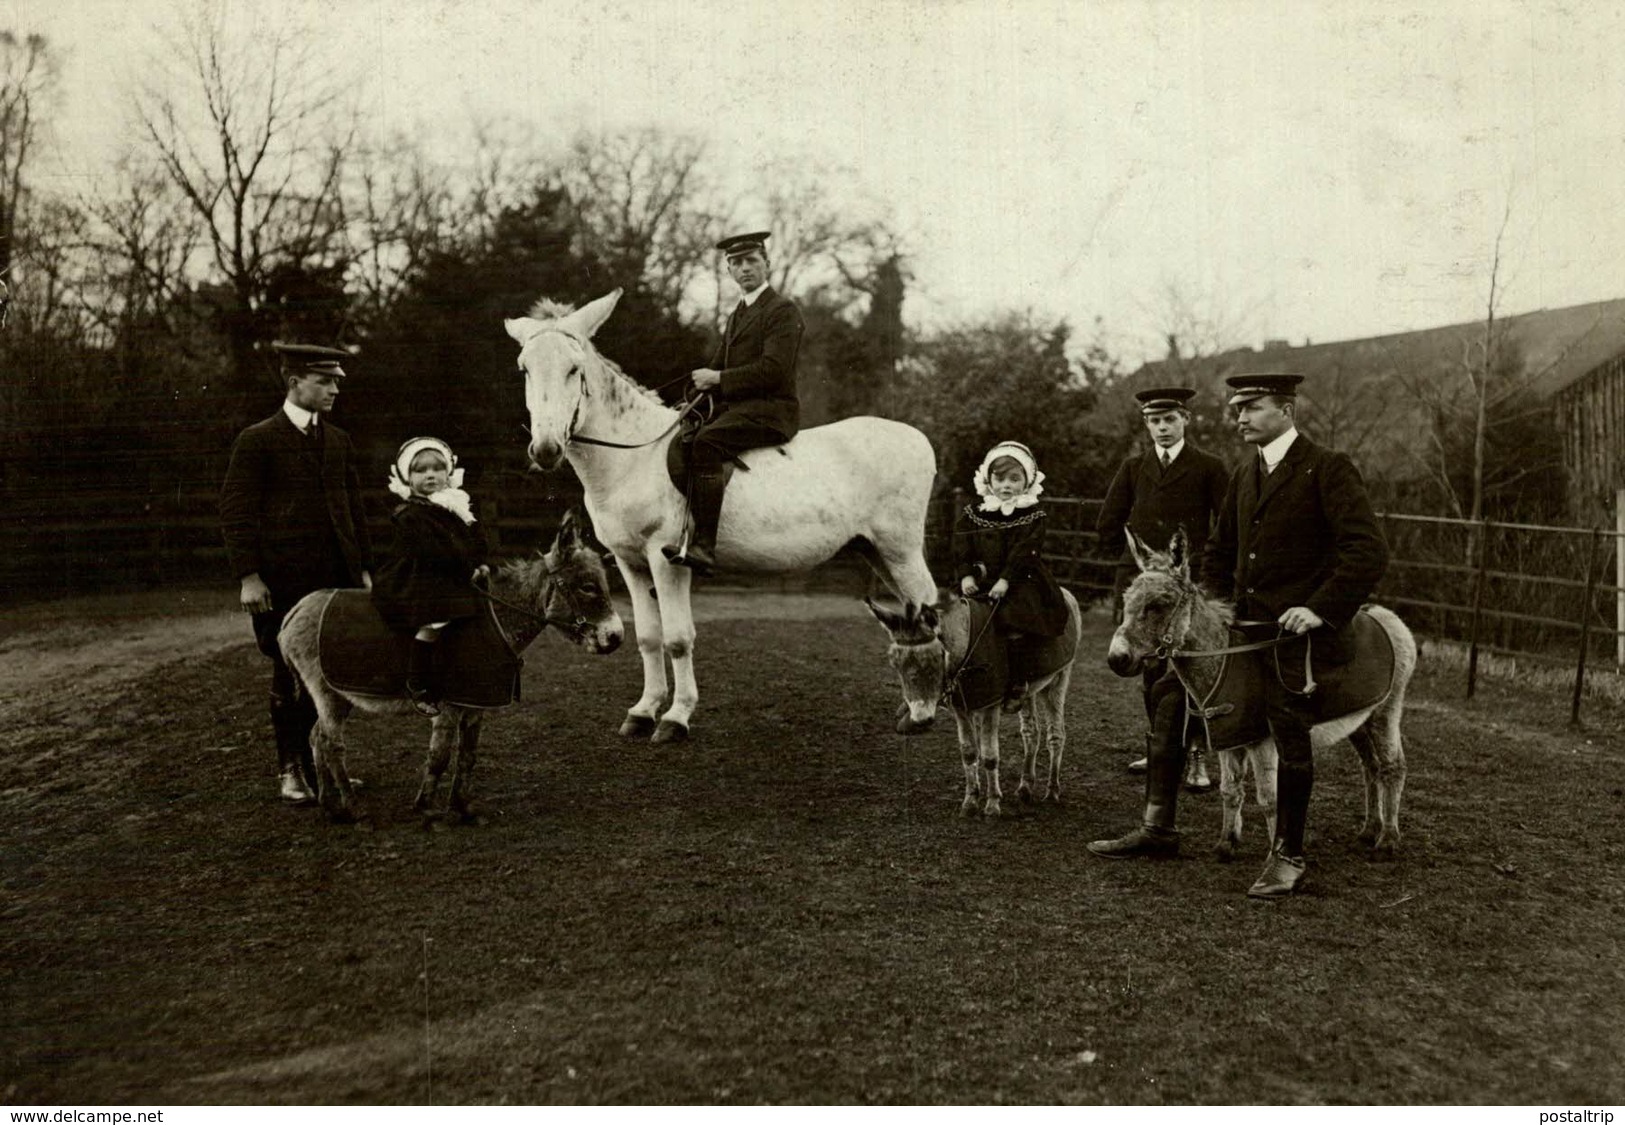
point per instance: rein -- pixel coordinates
(950, 680)
(557, 622)
(1166, 651)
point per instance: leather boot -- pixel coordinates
(1282, 875)
(295, 776)
(705, 506)
(1165, 768)
(1146, 840)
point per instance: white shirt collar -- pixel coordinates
(750, 298)
(1275, 450)
(301, 418)
(1172, 451)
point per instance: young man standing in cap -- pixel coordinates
(1171, 485)
(752, 379)
(290, 510)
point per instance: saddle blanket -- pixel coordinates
(1233, 712)
(994, 665)
(475, 664)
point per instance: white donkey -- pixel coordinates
(860, 479)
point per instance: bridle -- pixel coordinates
(951, 675)
(1165, 649)
(584, 393)
(575, 628)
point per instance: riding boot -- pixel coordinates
(705, 487)
(295, 772)
(1293, 782)
(1165, 768)
(1295, 775)
(420, 683)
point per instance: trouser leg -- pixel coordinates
(1165, 754)
(293, 714)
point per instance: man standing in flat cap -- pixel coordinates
(290, 509)
(1171, 485)
(752, 379)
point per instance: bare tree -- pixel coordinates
(643, 198)
(399, 207)
(250, 132)
(28, 74)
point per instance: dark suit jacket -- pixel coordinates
(290, 509)
(757, 358)
(1302, 535)
(1155, 503)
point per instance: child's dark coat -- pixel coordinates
(426, 575)
(989, 546)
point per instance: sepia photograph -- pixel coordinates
(524, 527)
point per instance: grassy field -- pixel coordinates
(786, 908)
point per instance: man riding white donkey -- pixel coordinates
(752, 380)
(799, 496)
(1297, 547)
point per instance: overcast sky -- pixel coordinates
(1317, 171)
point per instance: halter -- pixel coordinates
(570, 435)
(575, 628)
(950, 678)
(1166, 651)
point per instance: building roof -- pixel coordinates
(1557, 346)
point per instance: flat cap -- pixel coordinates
(1158, 399)
(311, 359)
(1246, 388)
(737, 244)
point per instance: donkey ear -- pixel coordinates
(885, 616)
(521, 329)
(1136, 548)
(1179, 551)
(590, 317)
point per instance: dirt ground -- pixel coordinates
(784, 909)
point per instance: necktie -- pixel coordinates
(1162, 455)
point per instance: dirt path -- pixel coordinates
(94, 645)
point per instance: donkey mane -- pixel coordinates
(550, 310)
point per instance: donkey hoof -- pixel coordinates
(669, 730)
(637, 726)
(1026, 797)
(1385, 851)
(1224, 851)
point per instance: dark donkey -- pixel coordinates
(566, 588)
(1167, 617)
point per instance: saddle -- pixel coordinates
(1232, 715)
(992, 666)
(475, 662)
(677, 455)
